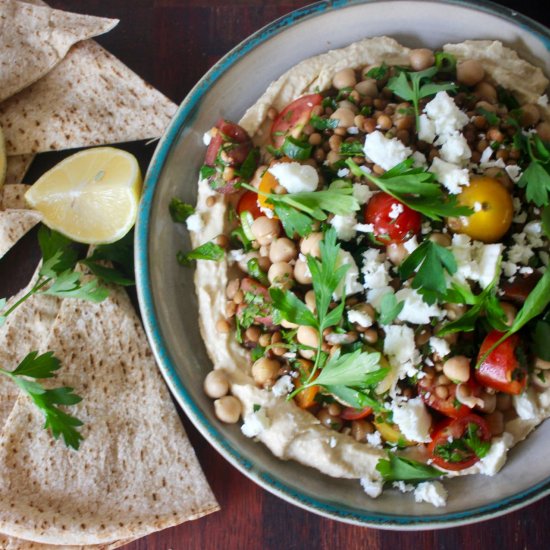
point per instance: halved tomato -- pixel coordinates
(249, 203)
(306, 398)
(458, 444)
(448, 406)
(292, 119)
(349, 413)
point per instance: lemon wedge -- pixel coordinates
(3, 159)
(91, 197)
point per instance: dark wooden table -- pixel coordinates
(171, 43)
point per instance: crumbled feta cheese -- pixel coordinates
(520, 216)
(207, 138)
(415, 309)
(432, 492)
(455, 149)
(542, 100)
(332, 442)
(345, 226)
(440, 346)
(498, 163)
(486, 155)
(526, 270)
(295, 177)
(283, 386)
(372, 487)
(445, 114)
(360, 317)
(353, 130)
(385, 152)
(450, 175)
(475, 260)
(426, 228)
(351, 282)
(400, 348)
(411, 244)
(509, 269)
(403, 487)
(395, 210)
(236, 256)
(255, 423)
(514, 171)
(526, 406)
(413, 419)
(364, 227)
(419, 159)
(343, 172)
(524, 243)
(375, 296)
(375, 269)
(494, 460)
(194, 222)
(375, 439)
(362, 193)
(426, 129)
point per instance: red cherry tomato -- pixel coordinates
(501, 370)
(388, 228)
(233, 134)
(451, 447)
(349, 413)
(293, 118)
(449, 406)
(249, 203)
(249, 285)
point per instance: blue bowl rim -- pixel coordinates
(167, 365)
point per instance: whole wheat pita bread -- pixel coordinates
(135, 472)
(90, 98)
(11, 543)
(14, 224)
(18, 166)
(34, 39)
(13, 196)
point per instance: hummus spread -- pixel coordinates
(288, 431)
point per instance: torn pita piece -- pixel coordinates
(90, 98)
(34, 39)
(14, 224)
(18, 166)
(13, 196)
(11, 543)
(135, 471)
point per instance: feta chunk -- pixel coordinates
(385, 152)
(362, 193)
(455, 149)
(426, 129)
(375, 269)
(486, 155)
(395, 210)
(345, 226)
(514, 171)
(343, 172)
(283, 386)
(526, 406)
(351, 283)
(542, 100)
(440, 346)
(375, 439)
(255, 423)
(207, 138)
(415, 309)
(413, 419)
(360, 317)
(445, 114)
(420, 160)
(372, 487)
(403, 487)
(494, 460)
(295, 177)
(450, 175)
(432, 492)
(194, 222)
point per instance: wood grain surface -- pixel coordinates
(171, 43)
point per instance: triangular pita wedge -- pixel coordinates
(33, 39)
(14, 224)
(18, 166)
(135, 472)
(25, 330)
(13, 196)
(90, 98)
(11, 543)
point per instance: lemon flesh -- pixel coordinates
(3, 159)
(91, 197)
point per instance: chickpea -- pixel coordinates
(280, 274)
(216, 384)
(310, 245)
(223, 326)
(486, 91)
(282, 250)
(384, 122)
(442, 392)
(542, 364)
(344, 116)
(530, 115)
(228, 409)
(489, 402)
(333, 157)
(470, 72)
(370, 336)
(510, 311)
(335, 143)
(495, 421)
(360, 429)
(345, 104)
(454, 311)
(315, 139)
(307, 336)
(423, 337)
(265, 370)
(421, 59)
(265, 230)
(396, 253)
(457, 368)
(252, 334)
(344, 79)
(232, 288)
(543, 130)
(310, 301)
(302, 273)
(329, 421)
(504, 401)
(367, 87)
(541, 379)
(288, 324)
(442, 239)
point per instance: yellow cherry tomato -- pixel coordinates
(391, 434)
(493, 209)
(268, 184)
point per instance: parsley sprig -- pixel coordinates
(413, 86)
(297, 211)
(416, 188)
(430, 261)
(34, 367)
(536, 178)
(399, 468)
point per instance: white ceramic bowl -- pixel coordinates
(166, 290)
